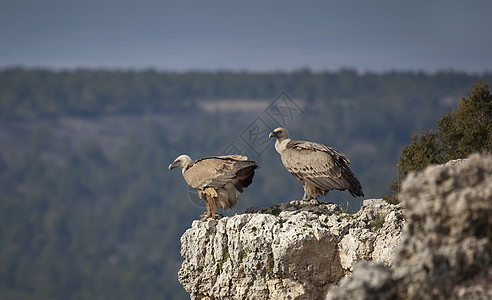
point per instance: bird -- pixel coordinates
(217, 179)
(318, 167)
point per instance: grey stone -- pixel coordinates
(312, 250)
(292, 250)
(446, 246)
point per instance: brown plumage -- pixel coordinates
(318, 167)
(218, 179)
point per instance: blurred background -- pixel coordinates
(97, 98)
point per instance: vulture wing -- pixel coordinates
(217, 171)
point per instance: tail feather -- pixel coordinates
(353, 183)
(227, 196)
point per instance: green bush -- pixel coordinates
(459, 133)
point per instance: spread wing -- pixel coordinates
(217, 171)
(321, 165)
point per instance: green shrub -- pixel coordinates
(459, 133)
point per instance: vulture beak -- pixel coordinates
(272, 134)
(172, 166)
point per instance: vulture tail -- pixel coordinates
(354, 188)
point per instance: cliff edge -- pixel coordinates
(314, 250)
(293, 250)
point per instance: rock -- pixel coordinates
(293, 250)
(445, 250)
(374, 283)
(373, 235)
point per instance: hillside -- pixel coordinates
(89, 209)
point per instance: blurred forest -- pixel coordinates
(88, 208)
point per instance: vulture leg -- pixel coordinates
(206, 214)
(211, 207)
(305, 197)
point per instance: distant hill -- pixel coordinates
(88, 207)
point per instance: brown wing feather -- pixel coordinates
(216, 171)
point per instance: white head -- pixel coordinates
(181, 161)
(280, 134)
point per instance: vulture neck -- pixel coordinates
(280, 145)
(183, 170)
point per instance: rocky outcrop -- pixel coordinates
(293, 250)
(301, 250)
(446, 247)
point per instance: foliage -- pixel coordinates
(422, 151)
(88, 228)
(469, 128)
(466, 130)
(80, 222)
(44, 93)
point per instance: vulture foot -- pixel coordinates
(205, 216)
(310, 201)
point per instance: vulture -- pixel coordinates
(318, 167)
(217, 179)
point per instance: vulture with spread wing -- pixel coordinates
(218, 179)
(318, 167)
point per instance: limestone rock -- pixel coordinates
(445, 250)
(373, 235)
(296, 250)
(375, 283)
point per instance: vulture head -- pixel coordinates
(181, 162)
(280, 134)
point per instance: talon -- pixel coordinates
(218, 216)
(205, 215)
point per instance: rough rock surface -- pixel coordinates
(293, 250)
(446, 247)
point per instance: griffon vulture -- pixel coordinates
(318, 167)
(218, 179)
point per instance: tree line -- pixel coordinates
(89, 225)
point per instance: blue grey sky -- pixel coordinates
(248, 35)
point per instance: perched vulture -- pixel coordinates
(218, 179)
(318, 167)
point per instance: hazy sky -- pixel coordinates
(248, 35)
